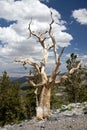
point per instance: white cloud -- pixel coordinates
(80, 15)
(45, 0)
(15, 41)
(83, 58)
(77, 49)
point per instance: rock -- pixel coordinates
(42, 126)
(85, 110)
(3, 129)
(52, 118)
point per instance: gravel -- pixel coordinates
(55, 122)
(66, 120)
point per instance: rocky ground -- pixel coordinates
(71, 117)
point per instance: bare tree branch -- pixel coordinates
(51, 47)
(56, 67)
(45, 57)
(41, 72)
(28, 61)
(61, 79)
(37, 85)
(42, 33)
(65, 76)
(39, 37)
(74, 69)
(41, 41)
(61, 54)
(53, 38)
(43, 78)
(52, 21)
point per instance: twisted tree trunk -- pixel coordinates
(43, 108)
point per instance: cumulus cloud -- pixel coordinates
(14, 38)
(80, 15)
(45, 0)
(83, 58)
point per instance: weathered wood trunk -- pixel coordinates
(43, 109)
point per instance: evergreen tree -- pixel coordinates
(56, 101)
(11, 109)
(30, 102)
(74, 85)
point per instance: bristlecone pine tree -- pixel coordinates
(47, 82)
(75, 87)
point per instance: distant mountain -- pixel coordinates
(20, 80)
(13, 79)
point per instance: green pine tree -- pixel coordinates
(74, 85)
(11, 109)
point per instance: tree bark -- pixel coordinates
(43, 109)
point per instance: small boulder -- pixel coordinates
(85, 110)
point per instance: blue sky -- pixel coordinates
(71, 30)
(76, 29)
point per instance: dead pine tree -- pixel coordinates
(47, 82)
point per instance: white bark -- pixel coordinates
(42, 112)
(43, 109)
(74, 69)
